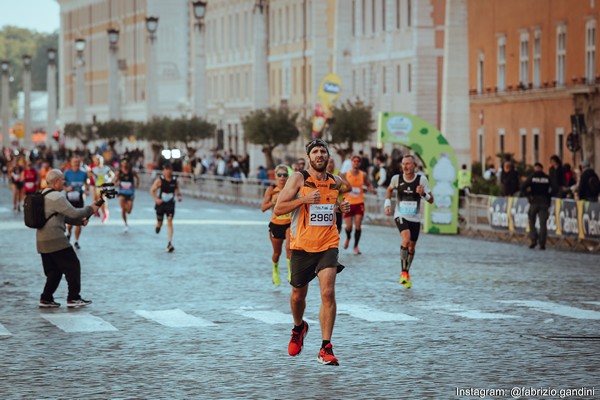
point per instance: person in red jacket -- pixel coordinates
(31, 178)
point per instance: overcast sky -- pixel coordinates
(39, 15)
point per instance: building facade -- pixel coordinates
(388, 53)
(533, 66)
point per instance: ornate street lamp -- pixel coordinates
(80, 101)
(151, 27)
(199, 9)
(199, 92)
(113, 37)
(26, 61)
(79, 45)
(4, 66)
(51, 56)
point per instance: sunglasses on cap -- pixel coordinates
(314, 143)
(282, 175)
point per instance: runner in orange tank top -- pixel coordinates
(279, 227)
(358, 181)
(312, 198)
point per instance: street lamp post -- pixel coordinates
(27, 99)
(51, 79)
(80, 102)
(151, 83)
(114, 100)
(4, 98)
(200, 61)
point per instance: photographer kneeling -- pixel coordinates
(58, 256)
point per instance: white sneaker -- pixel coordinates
(78, 303)
(126, 229)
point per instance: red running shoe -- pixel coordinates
(297, 340)
(326, 356)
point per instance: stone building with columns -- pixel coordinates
(388, 53)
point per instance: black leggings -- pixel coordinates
(55, 265)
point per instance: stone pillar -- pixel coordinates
(320, 61)
(114, 100)
(80, 100)
(27, 100)
(200, 73)
(342, 48)
(4, 103)
(455, 90)
(51, 88)
(260, 71)
(151, 80)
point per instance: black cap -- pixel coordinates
(314, 143)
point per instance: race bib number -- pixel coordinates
(408, 207)
(321, 214)
(29, 185)
(73, 195)
(126, 185)
(167, 196)
(355, 192)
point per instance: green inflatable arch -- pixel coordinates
(440, 166)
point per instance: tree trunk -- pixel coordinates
(268, 151)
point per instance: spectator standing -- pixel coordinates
(464, 181)
(557, 177)
(537, 187)
(509, 179)
(589, 184)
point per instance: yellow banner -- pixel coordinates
(328, 94)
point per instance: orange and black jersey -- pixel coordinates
(313, 226)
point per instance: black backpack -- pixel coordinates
(34, 211)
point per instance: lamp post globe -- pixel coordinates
(151, 24)
(26, 61)
(113, 36)
(80, 45)
(199, 9)
(51, 55)
(4, 66)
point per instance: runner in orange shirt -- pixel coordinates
(312, 198)
(279, 227)
(358, 181)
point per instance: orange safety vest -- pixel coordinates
(281, 219)
(313, 226)
(357, 195)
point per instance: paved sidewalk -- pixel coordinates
(205, 322)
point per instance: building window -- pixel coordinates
(354, 85)
(373, 16)
(524, 59)
(536, 145)
(409, 78)
(480, 65)
(408, 12)
(560, 142)
(398, 79)
(364, 17)
(383, 80)
(501, 63)
(561, 54)
(398, 13)
(480, 147)
(364, 82)
(523, 145)
(590, 51)
(383, 15)
(501, 140)
(537, 58)
(354, 18)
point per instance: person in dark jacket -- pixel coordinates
(557, 177)
(588, 183)
(509, 179)
(537, 189)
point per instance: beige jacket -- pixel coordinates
(51, 237)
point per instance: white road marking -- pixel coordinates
(174, 318)
(269, 316)
(556, 309)
(596, 303)
(4, 331)
(369, 314)
(476, 314)
(78, 322)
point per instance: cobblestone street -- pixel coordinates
(205, 322)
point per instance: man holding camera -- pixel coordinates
(58, 256)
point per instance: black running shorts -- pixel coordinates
(414, 227)
(305, 266)
(165, 208)
(278, 231)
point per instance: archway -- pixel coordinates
(440, 166)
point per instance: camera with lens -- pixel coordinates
(107, 191)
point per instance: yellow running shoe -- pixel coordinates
(407, 283)
(276, 280)
(403, 277)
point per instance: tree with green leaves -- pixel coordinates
(85, 133)
(189, 131)
(352, 123)
(269, 128)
